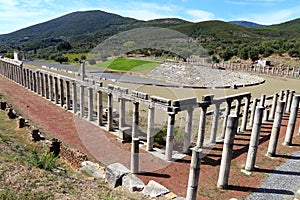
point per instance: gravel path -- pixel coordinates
(282, 182)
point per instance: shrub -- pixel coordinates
(45, 161)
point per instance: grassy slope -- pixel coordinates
(20, 180)
(124, 64)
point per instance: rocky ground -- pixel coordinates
(201, 76)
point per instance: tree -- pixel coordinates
(244, 54)
(61, 59)
(64, 46)
(253, 54)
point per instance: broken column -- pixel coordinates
(276, 129)
(231, 129)
(292, 121)
(253, 146)
(82, 70)
(194, 174)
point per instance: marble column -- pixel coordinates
(74, 97)
(215, 123)
(170, 136)
(100, 108)
(245, 114)
(81, 105)
(90, 104)
(150, 128)
(68, 95)
(62, 93)
(110, 112)
(188, 131)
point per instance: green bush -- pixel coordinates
(45, 161)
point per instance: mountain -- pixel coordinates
(85, 29)
(246, 24)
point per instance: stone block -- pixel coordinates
(160, 100)
(92, 169)
(179, 198)
(124, 134)
(140, 95)
(11, 113)
(114, 174)
(132, 183)
(21, 122)
(185, 102)
(3, 105)
(154, 189)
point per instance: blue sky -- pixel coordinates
(17, 14)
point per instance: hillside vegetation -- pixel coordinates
(80, 32)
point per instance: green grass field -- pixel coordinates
(124, 64)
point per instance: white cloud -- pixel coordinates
(200, 15)
(275, 17)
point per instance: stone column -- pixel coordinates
(245, 115)
(227, 112)
(100, 109)
(134, 166)
(110, 112)
(273, 108)
(253, 146)
(170, 136)
(34, 82)
(46, 86)
(150, 128)
(194, 174)
(38, 82)
(121, 112)
(90, 104)
(56, 89)
(68, 95)
(62, 92)
(286, 98)
(135, 119)
(214, 127)
(74, 97)
(51, 88)
(188, 131)
(82, 70)
(292, 121)
(289, 101)
(238, 109)
(281, 95)
(31, 80)
(262, 100)
(42, 84)
(227, 152)
(81, 106)
(253, 108)
(201, 130)
(276, 129)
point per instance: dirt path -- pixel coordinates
(99, 144)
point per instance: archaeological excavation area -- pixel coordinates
(245, 130)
